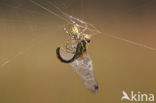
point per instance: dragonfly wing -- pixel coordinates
(84, 67)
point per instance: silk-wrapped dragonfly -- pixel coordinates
(75, 53)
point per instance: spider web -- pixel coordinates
(89, 28)
(86, 26)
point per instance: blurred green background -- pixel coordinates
(29, 36)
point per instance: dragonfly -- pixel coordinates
(77, 46)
